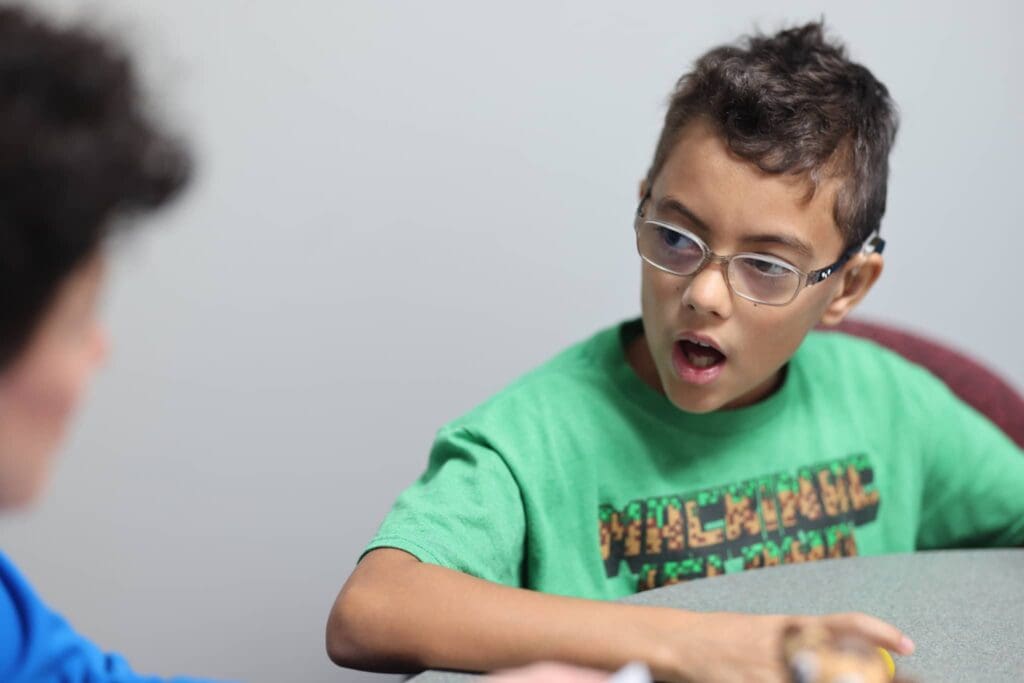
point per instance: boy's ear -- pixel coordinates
(858, 278)
(643, 189)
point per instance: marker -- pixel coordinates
(890, 665)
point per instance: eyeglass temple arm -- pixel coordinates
(874, 244)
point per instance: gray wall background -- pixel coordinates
(401, 207)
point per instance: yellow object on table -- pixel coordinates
(890, 665)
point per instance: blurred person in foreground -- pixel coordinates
(79, 158)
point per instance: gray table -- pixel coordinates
(964, 609)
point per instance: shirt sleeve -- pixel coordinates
(465, 512)
(973, 494)
(38, 645)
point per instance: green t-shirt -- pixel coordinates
(579, 479)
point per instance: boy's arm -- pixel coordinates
(398, 614)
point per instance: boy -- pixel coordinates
(78, 155)
(716, 433)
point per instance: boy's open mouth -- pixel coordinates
(701, 355)
(697, 362)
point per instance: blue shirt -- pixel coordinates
(38, 645)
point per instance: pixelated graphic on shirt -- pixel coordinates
(775, 519)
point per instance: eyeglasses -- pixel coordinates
(759, 278)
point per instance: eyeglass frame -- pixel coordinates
(873, 244)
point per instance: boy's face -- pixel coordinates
(736, 207)
(41, 388)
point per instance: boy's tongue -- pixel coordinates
(701, 356)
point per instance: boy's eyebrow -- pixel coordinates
(673, 205)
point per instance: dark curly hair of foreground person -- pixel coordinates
(78, 155)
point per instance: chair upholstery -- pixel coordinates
(973, 383)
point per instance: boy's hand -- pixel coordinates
(722, 647)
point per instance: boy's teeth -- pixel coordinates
(702, 361)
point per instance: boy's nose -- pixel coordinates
(708, 292)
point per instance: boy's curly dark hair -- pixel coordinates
(793, 103)
(77, 152)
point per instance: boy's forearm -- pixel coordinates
(398, 614)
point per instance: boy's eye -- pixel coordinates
(676, 240)
(767, 268)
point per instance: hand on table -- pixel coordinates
(724, 647)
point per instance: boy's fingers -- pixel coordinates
(872, 629)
